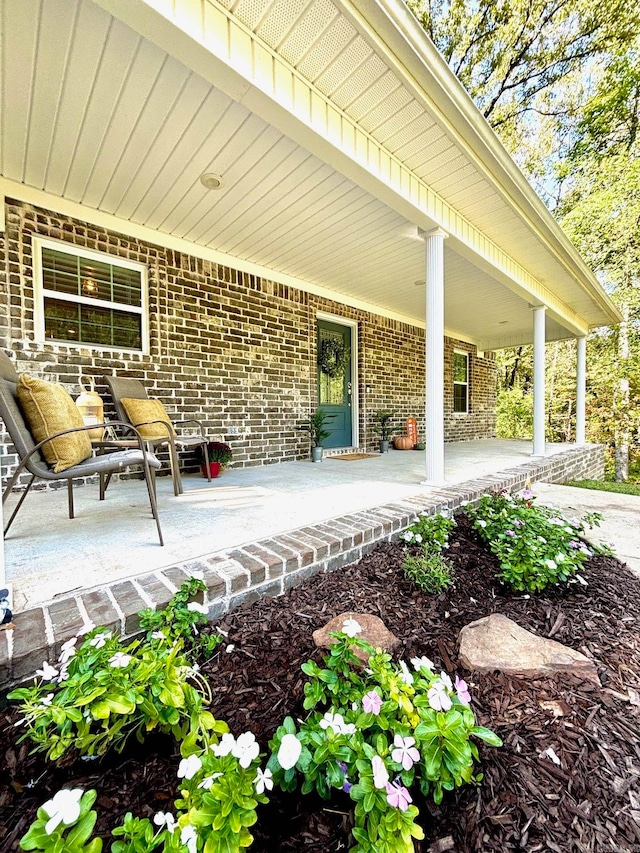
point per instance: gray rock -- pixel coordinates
(496, 642)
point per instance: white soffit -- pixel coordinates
(93, 112)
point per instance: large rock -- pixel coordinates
(496, 642)
(373, 631)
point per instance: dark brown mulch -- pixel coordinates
(590, 803)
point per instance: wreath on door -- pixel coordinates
(333, 357)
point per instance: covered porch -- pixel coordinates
(253, 533)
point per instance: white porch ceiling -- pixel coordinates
(94, 113)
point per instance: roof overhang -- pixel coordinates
(340, 132)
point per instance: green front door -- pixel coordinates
(334, 381)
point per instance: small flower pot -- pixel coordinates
(384, 446)
(214, 469)
(316, 454)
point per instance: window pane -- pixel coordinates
(91, 279)
(61, 320)
(460, 398)
(460, 367)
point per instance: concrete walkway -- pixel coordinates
(621, 516)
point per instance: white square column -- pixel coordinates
(539, 332)
(581, 390)
(434, 357)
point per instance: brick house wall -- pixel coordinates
(232, 349)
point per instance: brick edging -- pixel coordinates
(266, 567)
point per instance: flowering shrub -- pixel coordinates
(102, 691)
(536, 545)
(182, 618)
(221, 785)
(430, 531)
(374, 733)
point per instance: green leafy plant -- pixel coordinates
(183, 618)
(430, 531)
(315, 425)
(216, 451)
(430, 571)
(382, 424)
(64, 824)
(102, 691)
(536, 545)
(374, 733)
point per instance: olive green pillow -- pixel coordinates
(49, 409)
(141, 412)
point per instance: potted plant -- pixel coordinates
(382, 428)
(315, 425)
(218, 455)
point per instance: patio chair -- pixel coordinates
(133, 405)
(31, 460)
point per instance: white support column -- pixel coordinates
(434, 354)
(581, 390)
(539, 448)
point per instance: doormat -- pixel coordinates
(349, 457)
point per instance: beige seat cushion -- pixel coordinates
(49, 409)
(141, 412)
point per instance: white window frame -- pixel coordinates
(465, 353)
(40, 292)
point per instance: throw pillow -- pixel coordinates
(142, 412)
(49, 409)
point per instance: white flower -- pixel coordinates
(550, 564)
(246, 749)
(446, 680)
(208, 781)
(263, 781)
(67, 650)
(47, 672)
(229, 648)
(405, 676)
(46, 700)
(188, 767)
(289, 752)
(63, 808)
(351, 627)
(164, 819)
(332, 721)
(407, 536)
(438, 697)
(225, 746)
(424, 661)
(560, 557)
(481, 522)
(100, 640)
(189, 837)
(196, 607)
(158, 635)
(120, 660)
(418, 537)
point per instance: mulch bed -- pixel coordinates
(590, 803)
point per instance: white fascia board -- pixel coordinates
(207, 38)
(66, 207)
(422, 68)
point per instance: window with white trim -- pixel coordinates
(88, 298)
(460, 381)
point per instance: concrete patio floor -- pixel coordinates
(48, 555)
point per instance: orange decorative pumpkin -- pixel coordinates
(412, 430)
(403, 442)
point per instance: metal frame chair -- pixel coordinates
(123, 387)
(31, 460)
